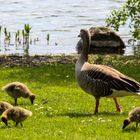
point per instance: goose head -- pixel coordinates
(32, 98)
(86, 39)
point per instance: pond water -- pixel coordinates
(61, 19)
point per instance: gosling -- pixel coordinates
(17, 89)
(16, 114)
(133, 116)
(4, 106)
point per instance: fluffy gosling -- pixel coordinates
(4, 106)
(17, 89)
(17, 114)
(133, 116)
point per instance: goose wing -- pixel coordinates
(107, 76)
(18, 89)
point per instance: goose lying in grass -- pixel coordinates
(100, 80)
(17, 114)
(133, 116)
(17, 89)
(4, 106)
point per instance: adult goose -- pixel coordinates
(100, 80)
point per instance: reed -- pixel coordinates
(0, 29)
(27, 30)
(48, 39)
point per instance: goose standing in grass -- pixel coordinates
(17, 89)
(17, 114)
(133, 116)
(4, 106)
(100, 80)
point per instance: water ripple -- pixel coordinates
(61, 19)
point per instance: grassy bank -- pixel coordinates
(62, 110)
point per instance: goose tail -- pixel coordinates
(138, 93)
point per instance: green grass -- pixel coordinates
(62, 110)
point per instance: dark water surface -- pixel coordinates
(60, 18)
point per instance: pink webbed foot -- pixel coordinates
(118, 107)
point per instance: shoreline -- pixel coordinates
(27, 61)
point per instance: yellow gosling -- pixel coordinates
(101, 80)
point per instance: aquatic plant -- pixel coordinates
(5, 31)
(17, 36)
(0, 29)
(31, 41)
(27, 29)
(7, 36)
(23, 36)
(26, 35)
(48, 38)
(56, 43)
(37, 39)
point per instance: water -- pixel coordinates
(60, 18)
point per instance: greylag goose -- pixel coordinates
(133, 116)
(100, 80)
(4, 106)
(17, 89)
(17, 114)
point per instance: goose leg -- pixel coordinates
(136, 125)
(118, 107)
(15, 101)
(16, 124)
(21, 124)
(97, 105)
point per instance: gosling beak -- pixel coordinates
(125, 123)
(123, 126)
(32, 102)
(32, 98)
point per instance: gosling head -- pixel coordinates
(4, 119)
(32, 98)
(125, 123)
